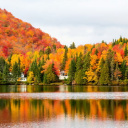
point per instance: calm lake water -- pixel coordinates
(63, 106)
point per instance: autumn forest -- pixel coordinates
(41, 58)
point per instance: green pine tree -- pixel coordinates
(72, 46)
(40, 68)
(64, 59)
(50, 75)
(79, 77)
(78, 73)
(86, 66)
(6, 73)
(45, 79)
(102, 63)
(36, 69)
(71, 72)
(79, 62)
(2, 64)
(16, 71)
(123, 69)
(104, 77)
(112, 69)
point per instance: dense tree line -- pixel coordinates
(101, 64)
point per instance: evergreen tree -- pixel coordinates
(113, 43)
(50, 75)
(48, 51)
(104, 77)
(40, 68)
(36, 69)
(64, 59)
(79, 77)
(121, 39)
(2, 64)
(16, 71)
(112, 69)
(71, 72)
(102, 63)
(6, 73)
(78, 73)
(45, 79)
(79, 62)
(123, 69)
(111, 65)
(86, 66)
(72, 46)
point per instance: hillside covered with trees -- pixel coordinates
(18, 37)
(40, 57)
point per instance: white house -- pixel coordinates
(63, 75)
(22, 78)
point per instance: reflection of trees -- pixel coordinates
(62, 88)
(3, 104)
(97, 88)
(32, 109)
(28, 88)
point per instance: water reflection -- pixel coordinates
(31, 110)
(61, 88)
(20, 110)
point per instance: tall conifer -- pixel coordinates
(86, 66)
(71, 72)
(104, 77)
(78, 73)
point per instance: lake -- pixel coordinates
(63, 106)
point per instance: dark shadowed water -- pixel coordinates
(63, 106)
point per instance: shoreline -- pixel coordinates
(114, 83)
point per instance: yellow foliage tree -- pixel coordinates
(30, 78)
(94, 60)
(91, 76)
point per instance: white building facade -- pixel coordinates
(63, 75)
